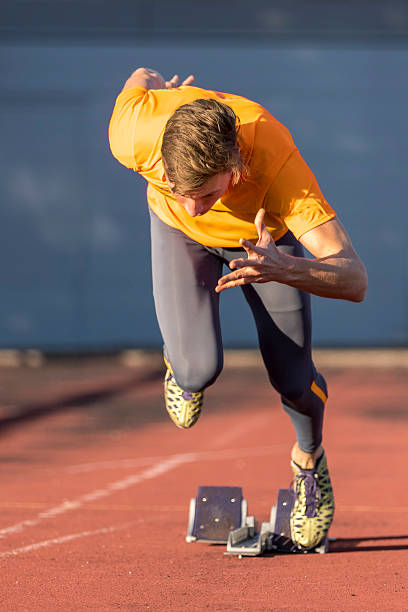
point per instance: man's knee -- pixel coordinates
(197, 374)
(293, 392)
(292, 388)
(300, 391)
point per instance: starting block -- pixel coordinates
(219, 515)
(214, 513)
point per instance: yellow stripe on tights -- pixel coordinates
(319, 392)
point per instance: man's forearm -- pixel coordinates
(333, 277)
(335, 272)
(339, 274)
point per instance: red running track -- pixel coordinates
(95, 485)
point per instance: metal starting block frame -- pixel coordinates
(219, 515)
(214, 513)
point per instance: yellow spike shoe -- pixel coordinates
(313, 511)
(183, 407)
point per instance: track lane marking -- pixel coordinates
(60, 540)
(102, 507)
(225, 453)
(119, 485)
(156, 508)
(159, 468)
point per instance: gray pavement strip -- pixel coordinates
(332, 358)
(235, 358)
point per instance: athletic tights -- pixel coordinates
(185, 274)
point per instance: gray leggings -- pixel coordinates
(185, 274)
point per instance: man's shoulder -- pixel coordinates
(148, 104)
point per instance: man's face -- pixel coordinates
(200, 201)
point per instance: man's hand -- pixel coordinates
(151, 79)
(335, 272)
(264, 263)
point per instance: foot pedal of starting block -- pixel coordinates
(281, 532)
(280, 522)
(214, 513)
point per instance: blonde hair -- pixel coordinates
(200, 141)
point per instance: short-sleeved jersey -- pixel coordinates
(278, 179)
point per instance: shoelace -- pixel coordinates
(312, 491)
(187, 395)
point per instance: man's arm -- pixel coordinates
(336, 272)
(151, 79)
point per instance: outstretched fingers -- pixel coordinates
(252, 249)
(189, 80)
(260, 263)
(173, 82)
(242, 263)
(264, 237)
(230, 280)
(239, 277)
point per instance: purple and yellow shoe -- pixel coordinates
(183, 407)
(313, 510)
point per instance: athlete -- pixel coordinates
(227, 185)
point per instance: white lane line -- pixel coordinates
(153, 472)
(211, 455)
(83, 468)
(60, 540)
(164, 465)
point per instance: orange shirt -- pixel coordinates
(278, 180)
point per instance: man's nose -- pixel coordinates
(193, 207)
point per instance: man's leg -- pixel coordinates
(284, 339)
(185, 274)
(283, 320)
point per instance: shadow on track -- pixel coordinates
(353, 544)
(77, 400)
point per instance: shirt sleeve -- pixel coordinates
(122, 126)
(296, 198)
(138, 122)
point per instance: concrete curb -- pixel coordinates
(324, 358)
(136, 358)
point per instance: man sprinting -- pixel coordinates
(227, 185)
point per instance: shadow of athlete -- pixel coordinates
(353, 544)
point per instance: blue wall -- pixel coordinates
(74, 248)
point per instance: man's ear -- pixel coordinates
(165, 179)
